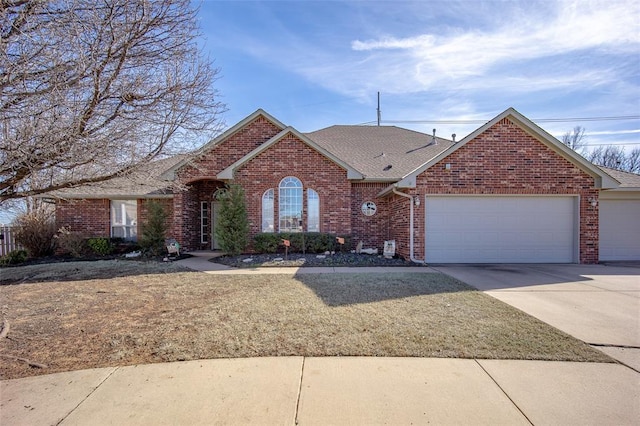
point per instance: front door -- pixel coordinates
(215, 207)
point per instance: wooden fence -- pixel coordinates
(8, 240)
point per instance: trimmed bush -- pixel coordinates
(154, 229)
(301, 242)
(14, 257)
(232, 230)
(100, 245)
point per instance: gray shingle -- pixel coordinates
(626, 179)
(372, 149)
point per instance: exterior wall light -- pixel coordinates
(593, 202)
(416, 200)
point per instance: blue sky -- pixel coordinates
(313, 64)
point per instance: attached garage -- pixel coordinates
(501, 229)
(619, 229)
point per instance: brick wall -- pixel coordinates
(374, 230)
(292, 157)
(89, 217)
(506, 160)
(399, 221)
(229, 151)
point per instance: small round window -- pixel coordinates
(369, 208)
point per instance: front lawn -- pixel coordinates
(87, 321)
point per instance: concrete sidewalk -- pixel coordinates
(321, 391)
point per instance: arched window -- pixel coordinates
(313, 211)
(267, 211)
(290, 205)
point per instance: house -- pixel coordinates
(507, 193)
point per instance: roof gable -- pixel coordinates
(228, 173)
(602, 179)
(170, 174)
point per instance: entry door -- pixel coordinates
(215, 207)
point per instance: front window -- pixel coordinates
(290, 205)
(204, 222)
(124, 219)
(267, 211)
(313, 211)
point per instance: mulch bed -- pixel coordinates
(311, 260)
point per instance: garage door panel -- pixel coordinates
(619, 229)
(500, 229)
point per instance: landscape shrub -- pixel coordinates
(71, 242)
(232, 229)
(266, 242)
(14, 257)
(100, 245)
(301, 242)
(154, 229)
(35, 232)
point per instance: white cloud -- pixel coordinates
(429, 59)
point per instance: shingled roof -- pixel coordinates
(385, 153)
(143, 183)
(627, 180)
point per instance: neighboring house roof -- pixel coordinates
(228, 172)
(602, 179)
(628, 180)
(372, 149)
(143, 183)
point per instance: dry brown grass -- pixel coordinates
(189, 315)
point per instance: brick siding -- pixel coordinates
(505, 159)
(292, 157)
(91, 218)
(374, 230)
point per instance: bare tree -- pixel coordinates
(633, 161)
(608, 156)
(93, 89)
(575, 139)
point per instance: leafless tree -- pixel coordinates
(633, 161)
(93, 89)
(608, 156)
(575, 139)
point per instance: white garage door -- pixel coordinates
(488, 229)
(619, 229)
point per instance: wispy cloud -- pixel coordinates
(575, 27)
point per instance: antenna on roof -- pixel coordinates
(378, 110)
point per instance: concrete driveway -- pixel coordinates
(597, 304)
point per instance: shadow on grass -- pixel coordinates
(351, 289)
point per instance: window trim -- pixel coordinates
(316, 210)
(284, 200)
(132, 228)
(205, 218)
(271, 211)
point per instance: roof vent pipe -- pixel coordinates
(434, 141)
(453, 138)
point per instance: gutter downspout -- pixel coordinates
(411, 251)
